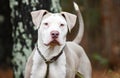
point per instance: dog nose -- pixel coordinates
(54, 34)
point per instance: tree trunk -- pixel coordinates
(110, 15)
(106, 16)
(24, 36)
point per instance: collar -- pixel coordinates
(53, 59)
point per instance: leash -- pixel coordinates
(49, 61)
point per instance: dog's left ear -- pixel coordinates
(70, 18)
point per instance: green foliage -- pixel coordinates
(97, 57)
(79, 75)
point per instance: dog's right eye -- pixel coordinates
(46, 23)
(61, 25)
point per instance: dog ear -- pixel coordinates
(70, 18)
(37, 17)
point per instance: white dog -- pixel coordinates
(53, 57)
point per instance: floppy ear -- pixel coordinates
(37, 17)
(70, 18)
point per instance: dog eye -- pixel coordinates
(46, 23)
(61, 25)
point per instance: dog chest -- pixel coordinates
(56, 69)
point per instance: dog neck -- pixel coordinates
(49, 51)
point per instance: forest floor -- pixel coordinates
(105, 73)
(7, 73)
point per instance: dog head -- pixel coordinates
(53, 27)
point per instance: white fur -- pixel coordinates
(45, 30)
(76, 6)
(73, 58)
(57, 68)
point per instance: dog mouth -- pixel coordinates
(53, 42)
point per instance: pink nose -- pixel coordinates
(54, 34)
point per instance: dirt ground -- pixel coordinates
(7, 73)
(106, 73)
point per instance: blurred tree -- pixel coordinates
(5, 33)
(110, 11)
(24, 36)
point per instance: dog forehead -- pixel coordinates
(56, 17)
